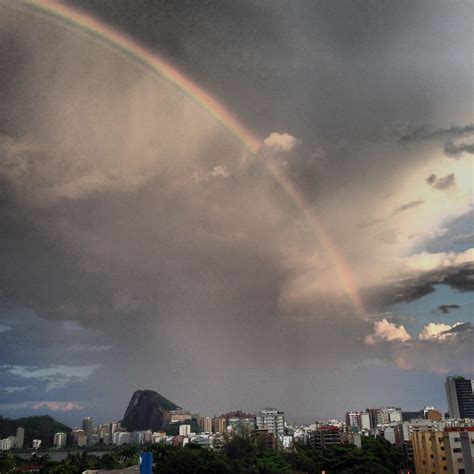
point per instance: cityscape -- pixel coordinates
(236, 236)
(431, 441)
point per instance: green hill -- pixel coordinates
(36, 427)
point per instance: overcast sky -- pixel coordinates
(144, 246)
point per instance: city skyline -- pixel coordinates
(234, 204)
(426, 440)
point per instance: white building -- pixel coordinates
(204, 440)
(158, 437)
(460, 449)
(420, 424)
(180, 415)
(140, 437)
(287, 442)
(121, 437)
(184, 430)
(395, 415)
(7, 443)
(358, 419)
(59, 440)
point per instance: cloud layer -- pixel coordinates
(149, 248)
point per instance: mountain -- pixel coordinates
(148, 410)
(36, 427)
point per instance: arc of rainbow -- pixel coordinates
(332, 254)
(156, 64)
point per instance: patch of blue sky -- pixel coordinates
(416, 314)
(459, 237)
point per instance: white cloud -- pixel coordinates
(425, 261)
(4, 328)
(437, 332)
(56, 406)
(219, 171)
(41, 372)
(384, 330)
(439, 348)
(280, 142)
(36, 405)
(14, 389)
(55, 376)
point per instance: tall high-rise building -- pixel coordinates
(184, 430)
(219, 424)
(358, 419)
(460, 395)
(20, 437)
(79, 437)
(205, 424)
(60, 440)
(373, 417)
(114, 427)
(450, 450)
(384, 416)
(271, 419)
(87, 425)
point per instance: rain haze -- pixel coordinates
(236, 204)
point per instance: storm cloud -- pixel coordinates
(442, 184)
(427, 132)
(446, 308)
(456, 150)
(143, 245)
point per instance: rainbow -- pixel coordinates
(152, 61)
(78, 19)
(332, 254)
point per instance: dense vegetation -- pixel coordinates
(239, 455)
(36, 427)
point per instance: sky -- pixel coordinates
(145, 245)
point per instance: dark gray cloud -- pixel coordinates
(428, 132)
(408, 205)
(442, 184)
(456, 150)
(148, 249)
(446, 308)
(445, 182)
(370, 223)
(462, 280)
(459, 277)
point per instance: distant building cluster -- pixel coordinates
(434, 441)
(13, 442)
